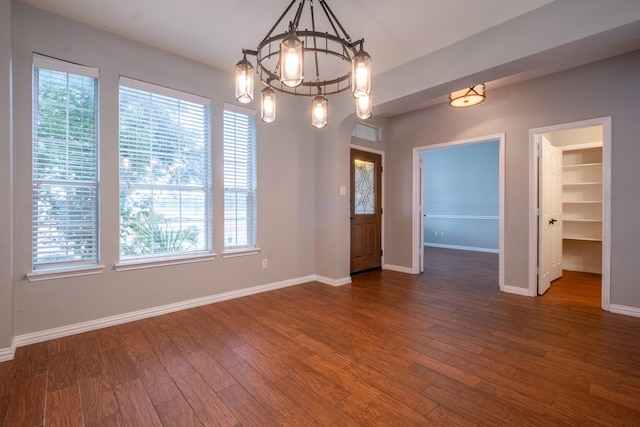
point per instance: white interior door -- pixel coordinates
(550, 218)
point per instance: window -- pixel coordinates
(165, 184)
(240, 200)
(64, 164)
(367, 132)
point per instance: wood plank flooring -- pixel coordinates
(445, 348)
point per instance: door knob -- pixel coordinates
(552, 221)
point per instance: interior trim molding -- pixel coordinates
(92, 325)
(333, 282)
(622, 309)
(462, 248)
(469, 217)
(8, 353)
(398, 268)
(516, 291)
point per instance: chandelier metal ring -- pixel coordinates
(337, 84)
(307, 62)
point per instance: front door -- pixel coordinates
(366, 211)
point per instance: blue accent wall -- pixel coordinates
(461, 196)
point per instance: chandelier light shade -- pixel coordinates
(268, 104)
(468, 97)
(307, 52)
(291, 60)
(361, 74)
(319, 111)
(244, 81)
(363, 107)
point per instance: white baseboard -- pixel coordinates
(462, 248)
(333, 282)
(627, 311)
(7, 354)
(582, 268)
(398, 268)
(515, 290)
(92, 325)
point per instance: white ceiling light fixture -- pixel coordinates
(468, 97)
(312, 62)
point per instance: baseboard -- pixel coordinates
(516, 291)
(582, 268)
(462, 248)
(92, 325)
(627, 311)
(398, 268)
(333, 282)
(9, 353)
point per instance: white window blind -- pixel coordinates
(64, 164)
(240, 199)
(165, 173)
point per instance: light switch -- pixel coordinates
(343, 190)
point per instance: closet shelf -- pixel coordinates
(581, 220)
(566, 202)
(581, 165)
(581, 238)
(575, 184)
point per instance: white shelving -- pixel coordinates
(582, 209)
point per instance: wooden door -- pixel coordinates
(366, 211)
(550, 218)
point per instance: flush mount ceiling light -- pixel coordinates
(468, 97)
(312, 62)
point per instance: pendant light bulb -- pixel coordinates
(363, 107)
(361, 74)
(268, 104)
(319, 111)
(244, 81)
(291, 60)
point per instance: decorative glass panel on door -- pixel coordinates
(365, 187)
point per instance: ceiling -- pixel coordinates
(215, 32)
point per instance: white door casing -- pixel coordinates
(534, 137)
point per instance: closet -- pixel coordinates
(582, 198)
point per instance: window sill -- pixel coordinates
(61, 273)
(160, 262)
(233, 253)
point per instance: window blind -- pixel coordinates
(64, 164)
(240, 198)
(165, 173)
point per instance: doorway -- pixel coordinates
(570, 214)
(366, 210)
(461, 219)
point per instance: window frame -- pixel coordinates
(230, 143)
(67, 267)
(204, 253)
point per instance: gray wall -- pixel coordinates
(6, 179)
(286, 183)
(606, 88)
(461, 189)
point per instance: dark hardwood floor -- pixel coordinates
(445, 348)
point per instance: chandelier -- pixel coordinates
(317, 61)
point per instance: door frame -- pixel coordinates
(534, 136)
(417, 245)
(381, 153)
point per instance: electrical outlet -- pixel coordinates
(265, 263)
